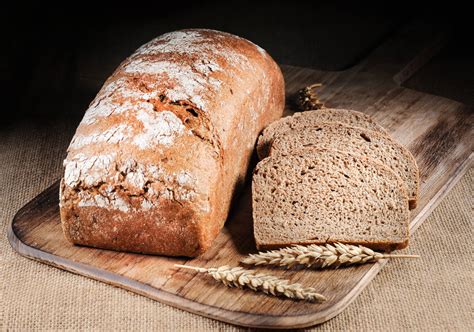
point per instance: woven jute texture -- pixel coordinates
(432, 293)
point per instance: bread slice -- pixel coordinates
(328, 196)
(309, 119)
(360, 141)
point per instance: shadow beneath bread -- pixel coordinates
(239, 223)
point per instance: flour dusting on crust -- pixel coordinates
(113, 201)
(194, 76)
(151, 182)
(90, 170)
(112, 135)
(124, 114)
(194, 43)
(158, 128)
(188, 81)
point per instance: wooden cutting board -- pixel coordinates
(437, 131)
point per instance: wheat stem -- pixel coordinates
(399, 256)
(315, 85)
(241, 278)
(320, 256)
(189, 267)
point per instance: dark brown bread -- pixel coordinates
(328, 196)
(360, 141)
(302, 120)
(158, 155)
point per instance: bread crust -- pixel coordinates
(163, 147)
(382, 246)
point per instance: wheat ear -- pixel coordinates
(321, 256)
(307, 99)
(241, 278)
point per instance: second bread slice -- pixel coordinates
(328, 196)
(360, 141)
(301, 120)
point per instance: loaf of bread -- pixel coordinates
(326, 196)
(360, 141)
(302, 120)
(161, 150)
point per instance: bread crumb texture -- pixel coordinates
(328, 196)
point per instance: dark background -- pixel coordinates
(54, 59)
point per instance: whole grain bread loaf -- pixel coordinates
(302, 120)
(326, 196)
(162, 148)
(360, 141)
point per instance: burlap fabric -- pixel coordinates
(433, 293)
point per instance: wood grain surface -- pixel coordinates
(436, 130)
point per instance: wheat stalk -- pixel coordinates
(319, 256)
(241, 278)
